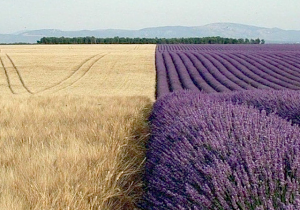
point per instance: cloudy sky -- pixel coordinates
(18, 15)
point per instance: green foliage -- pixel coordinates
(126, 40)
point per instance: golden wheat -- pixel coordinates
(124, 70)
(73, 124)
(72, 152)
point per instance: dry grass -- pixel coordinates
(124, 70)
(73, 125)
(72, 152)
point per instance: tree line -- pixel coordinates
(126, 40)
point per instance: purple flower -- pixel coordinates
(217, 151)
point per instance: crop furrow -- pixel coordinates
(226, 72)
(234, 68)
(216, 73)
(288, 61)
(225, 68)
(183, 74)
(195, 75)
(247, 72)
(254, 72)
(162, 84)
(219, 87)
(274, 72)
(175, 83)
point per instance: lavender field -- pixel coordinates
(225, 128)
(225, 68)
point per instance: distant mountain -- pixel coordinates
(229, 30)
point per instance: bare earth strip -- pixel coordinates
(78, 141)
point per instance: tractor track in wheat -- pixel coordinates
(19, 74)
(83, 68)
(7, 77)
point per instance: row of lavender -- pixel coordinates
(235, 150)
(224, 47)
(225, 68)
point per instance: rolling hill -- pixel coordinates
(232, 30)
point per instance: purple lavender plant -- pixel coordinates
(284, 103)
(225, 68)
(208, 153)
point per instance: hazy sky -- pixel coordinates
(18, 15)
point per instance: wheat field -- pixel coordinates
(73, 125)
(125, 70)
